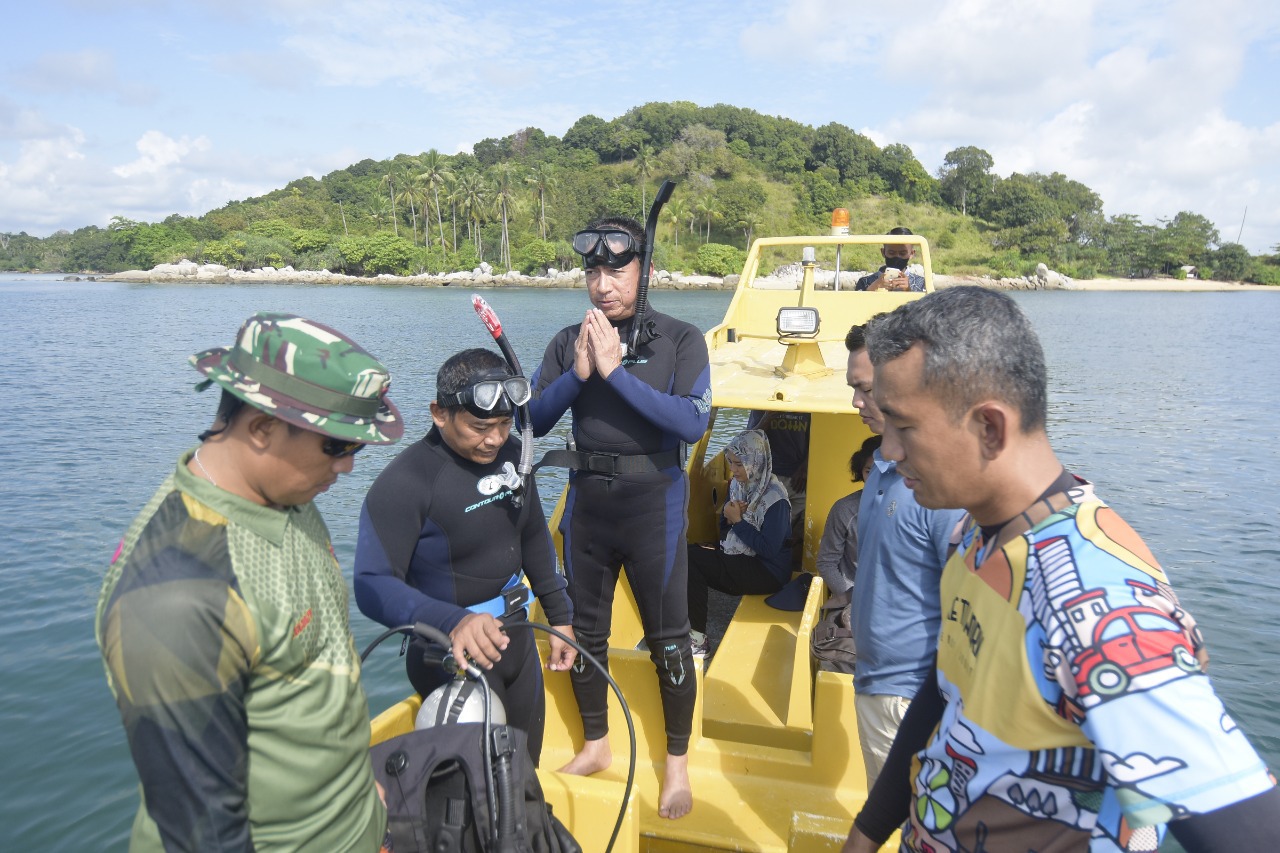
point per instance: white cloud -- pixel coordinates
(159, 153)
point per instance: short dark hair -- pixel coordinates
(461, 369)
(620, 223)
(977, 343)
(900, 230)
(856, 339)
(229, 405)
(858, 460)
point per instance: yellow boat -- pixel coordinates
(774, 759)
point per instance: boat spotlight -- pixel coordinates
(797, 322)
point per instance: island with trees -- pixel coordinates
(512, 204)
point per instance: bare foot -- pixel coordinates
(594, 757)
(676, 799)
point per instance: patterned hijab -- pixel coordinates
(761, 491)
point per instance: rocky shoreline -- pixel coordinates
(784, 278)
(484, 276)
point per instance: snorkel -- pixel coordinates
(646, 263)
(494, 325)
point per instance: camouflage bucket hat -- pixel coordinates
(306, 374)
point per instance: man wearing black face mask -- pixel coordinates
(893, 275)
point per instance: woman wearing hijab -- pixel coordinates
(754, 555)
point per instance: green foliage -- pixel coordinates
(262, 251)
(740, 199)
(1231, 262)
(466, 258)
(1180, 274)
(376, 254)
(1265, 271)
(718, 259)
(535, 256)
(965, 178)
(229, 252)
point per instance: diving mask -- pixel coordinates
(611, 248)
(487, 397)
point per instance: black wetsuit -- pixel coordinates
(439, 534)
(660, 397)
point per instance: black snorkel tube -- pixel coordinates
(494, 325)
(646, 263)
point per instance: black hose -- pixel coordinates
(441, 639)
(505, 840)
(650, 233)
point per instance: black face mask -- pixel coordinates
(897, 263)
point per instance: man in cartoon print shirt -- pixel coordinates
(1069, 711)
(442, 541)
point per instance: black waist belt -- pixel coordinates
(610, 464)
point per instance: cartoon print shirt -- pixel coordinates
(1077, 717)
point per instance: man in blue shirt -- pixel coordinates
(895, 611)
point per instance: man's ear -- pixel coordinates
(439, 414)
(993, 422)
(261, 428)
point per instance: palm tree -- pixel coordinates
(504, 187)
(749, 223)
(379, 211)
(644, 168)
(475, 197)
(409, 192)
(709, 209)
(451, 182)
(435, 174)
(676, 210)
(543, 179)
(390, 181)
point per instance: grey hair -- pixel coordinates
(978, 345)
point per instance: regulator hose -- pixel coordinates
(438, 637)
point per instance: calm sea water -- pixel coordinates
(1167, 401)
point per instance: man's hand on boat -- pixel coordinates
(561, 655)
(478, 638)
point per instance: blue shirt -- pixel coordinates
(902, 548)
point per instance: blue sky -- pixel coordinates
(143, 108)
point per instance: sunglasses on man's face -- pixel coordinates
(340, 448)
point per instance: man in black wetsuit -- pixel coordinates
(441, 538)
(628, 493)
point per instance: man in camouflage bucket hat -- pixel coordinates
(306, 374)
(223, 616)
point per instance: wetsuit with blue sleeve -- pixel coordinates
(658, 398)
(439, 536)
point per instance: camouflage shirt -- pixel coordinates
(224, 629)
